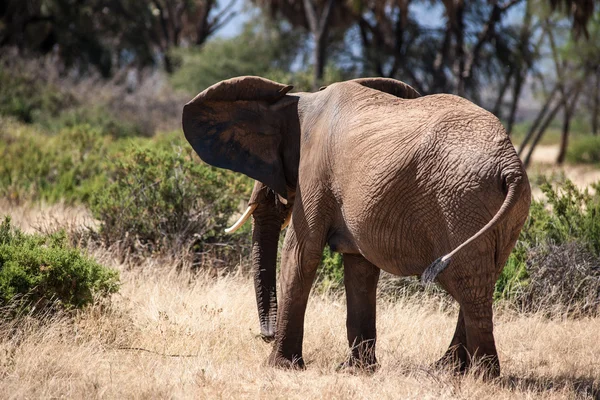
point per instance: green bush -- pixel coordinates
(103, 121)
(584, 150)
(330, 274)
(27, 97)
(555, 260)
(160, 198)
(39, 271)
(254, 52)
(69, 165)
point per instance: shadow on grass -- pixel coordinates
(585, 386)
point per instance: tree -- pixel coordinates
(107, 32)
(319, 17)
(575, 64)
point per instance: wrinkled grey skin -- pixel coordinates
(389, 179)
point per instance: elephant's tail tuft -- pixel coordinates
(434, 269)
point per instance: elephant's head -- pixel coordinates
(250, 125)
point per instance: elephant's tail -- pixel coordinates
(515, 183)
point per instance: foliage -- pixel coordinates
(584, 150)
(68, 165)
(330, 274)
(26, 97)
(555, 260)
(261, 52)
(102, 33)
(97, 116)
(32, 94)
(302, 79)
(160, 198)
(38, 271)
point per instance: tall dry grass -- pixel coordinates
(171, 334)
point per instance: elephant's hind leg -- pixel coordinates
(471, 283)
(360, 281)
(481, 346)
(456, 356)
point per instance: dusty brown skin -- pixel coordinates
(392, 180)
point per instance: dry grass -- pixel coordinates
(214, 322)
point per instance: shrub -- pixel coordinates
(555, 262)
(254, 52)
(26, 97)
(39, 271)
(160, 198)
(563, 278)
(584, 150)
(330, 274)
(68, 166)
(104, 122)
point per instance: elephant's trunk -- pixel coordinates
(265, 239)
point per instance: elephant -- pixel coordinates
(392, 180)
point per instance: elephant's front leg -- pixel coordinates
(360, 281)
(299, 261)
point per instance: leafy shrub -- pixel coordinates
(330, 274)
(40, 271)
(26, 97)
(104, 122)
(254, 52)
(584, 150)
(68, 166)
(555, 261)
(573, 216)
(160, 198)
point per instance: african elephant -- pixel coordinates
(412, 185)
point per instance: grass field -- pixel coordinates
(174, 335)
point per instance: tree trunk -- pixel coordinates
(459, 34)
(596, 103)
(168, 62)
(564, 137)
(320, 39)
(515, 100)
(497, 110)
(538, 119)
(319, 27)
(542, 129)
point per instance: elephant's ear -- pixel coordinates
(233, 125)
(391, 86)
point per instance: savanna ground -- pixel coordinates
(170, 334)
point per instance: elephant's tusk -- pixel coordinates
(282, 199)
(286, 222)
(242, 219)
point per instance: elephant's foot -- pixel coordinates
(354, 365)
(488, 367)
(280, 361)
(456, 359)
